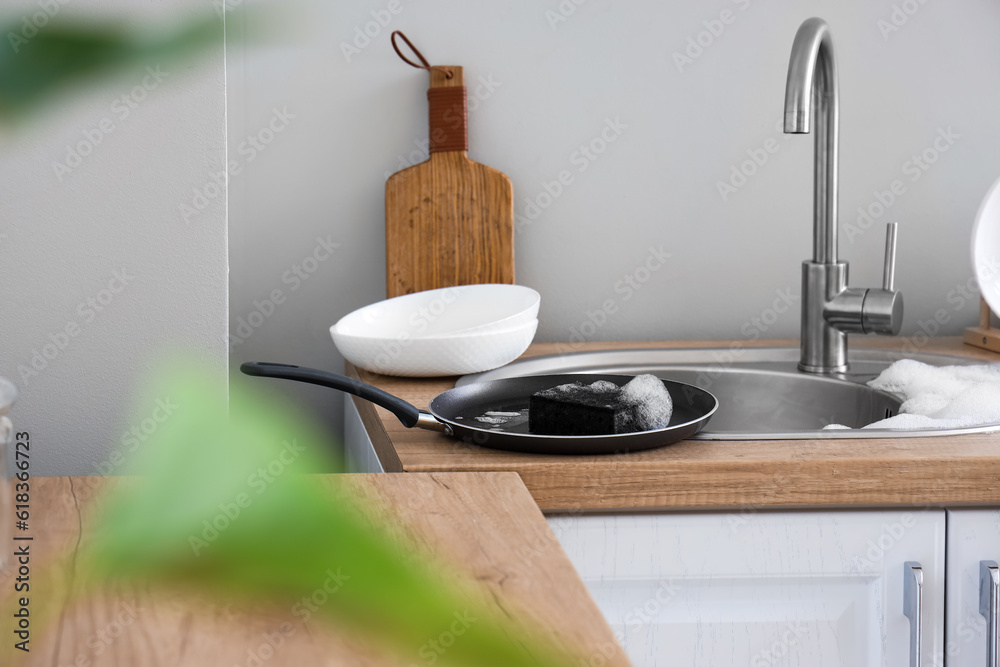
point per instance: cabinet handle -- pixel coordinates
(913, 599)
(989, 605)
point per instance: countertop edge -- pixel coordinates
(717, 475)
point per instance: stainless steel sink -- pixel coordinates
(762, 395)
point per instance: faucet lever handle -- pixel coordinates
(889, 269)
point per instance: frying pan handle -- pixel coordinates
(407, 413)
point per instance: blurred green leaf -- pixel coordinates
(63, 53)
(223, 507)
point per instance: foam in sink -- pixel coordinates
(940, 396)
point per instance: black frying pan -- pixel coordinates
(495, 414)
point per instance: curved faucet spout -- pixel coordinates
(812, 52)
(811, 97)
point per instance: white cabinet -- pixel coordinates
(762, 588)
(769, 589)
(973, 537)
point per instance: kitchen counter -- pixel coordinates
(488, 525)
(700, 474)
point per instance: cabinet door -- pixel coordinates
(973, 536)
(762, 588)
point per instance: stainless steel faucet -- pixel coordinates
(830, 309)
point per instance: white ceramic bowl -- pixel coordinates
(986, 247)
(444, 312)
(449, 331)
(441, 355)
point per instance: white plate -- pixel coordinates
(986, 247)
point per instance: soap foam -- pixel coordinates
(653, 405)
(940, 397)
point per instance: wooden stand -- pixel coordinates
(983, 336)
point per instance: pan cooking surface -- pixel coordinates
(513, 417)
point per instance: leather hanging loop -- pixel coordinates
(424, 64)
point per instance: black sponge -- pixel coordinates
(601, 408)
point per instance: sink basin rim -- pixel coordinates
(725, 359)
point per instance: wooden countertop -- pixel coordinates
(487, 524)
(693, 474)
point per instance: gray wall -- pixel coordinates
(101, 274)
(329, 131)
(906, 81)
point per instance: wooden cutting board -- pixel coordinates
(449, 220)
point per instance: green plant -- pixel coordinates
(36, 66)
(282, 534)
